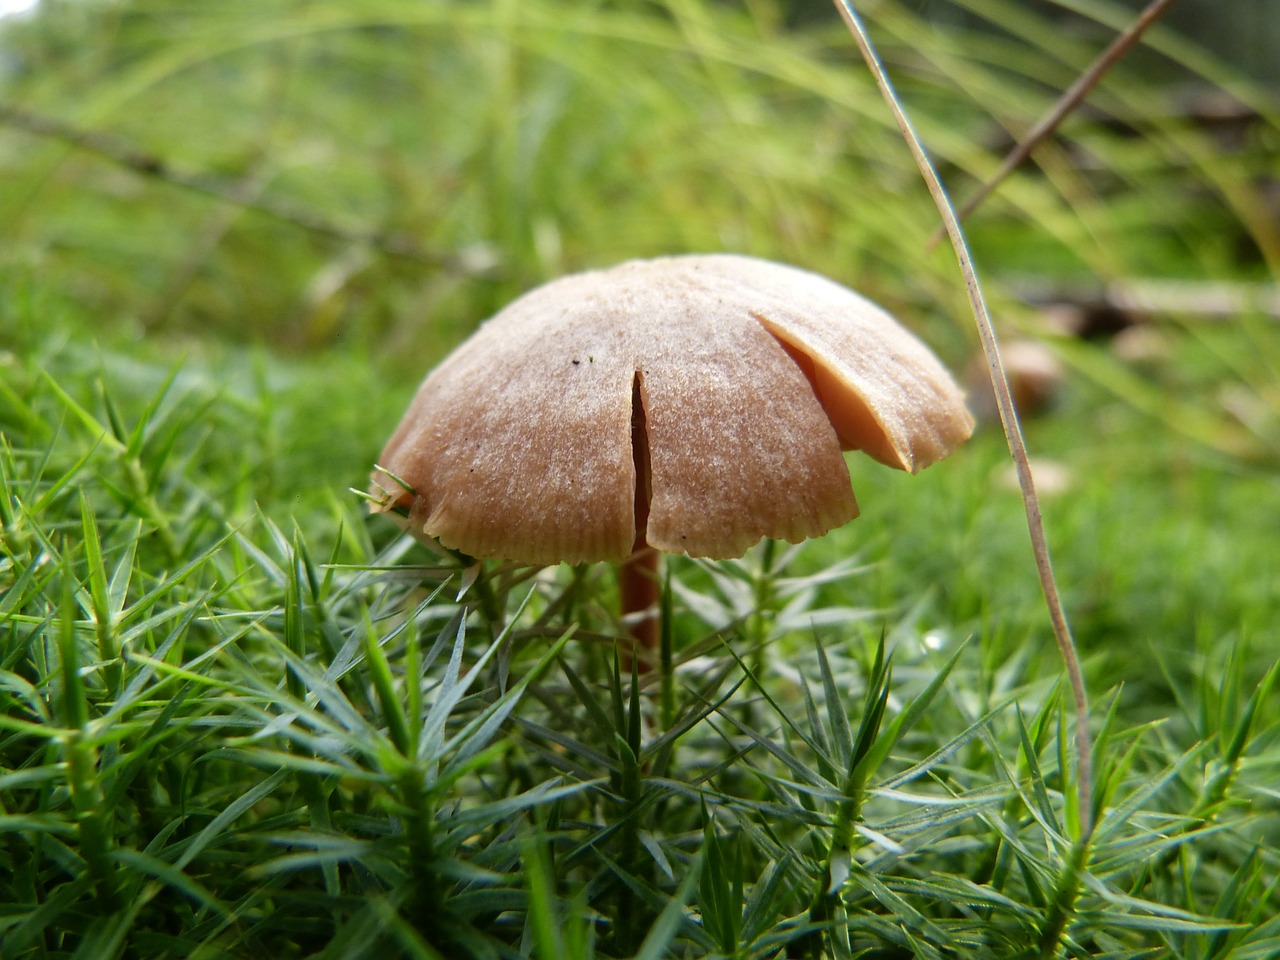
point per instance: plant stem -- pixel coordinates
(667, 655)
(1008, 415)
(419, 834)
(631, 782)
(93, 819)
(762, 615)
(1064, 901)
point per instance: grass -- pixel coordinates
(242, 719)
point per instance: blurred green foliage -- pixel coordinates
(504, 143)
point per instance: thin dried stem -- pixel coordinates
(1008, 415)
(1071, 99)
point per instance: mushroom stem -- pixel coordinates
(638, 596)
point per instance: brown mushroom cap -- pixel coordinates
(747, 377)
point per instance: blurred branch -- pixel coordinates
(243, 193)
(1073, 97)
(1142, 299)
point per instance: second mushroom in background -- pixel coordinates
(690, 404)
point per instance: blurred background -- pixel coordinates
(386, 173)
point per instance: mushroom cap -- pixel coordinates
(728, 384)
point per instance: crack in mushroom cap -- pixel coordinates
(752, 377)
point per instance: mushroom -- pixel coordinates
(691, 404)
